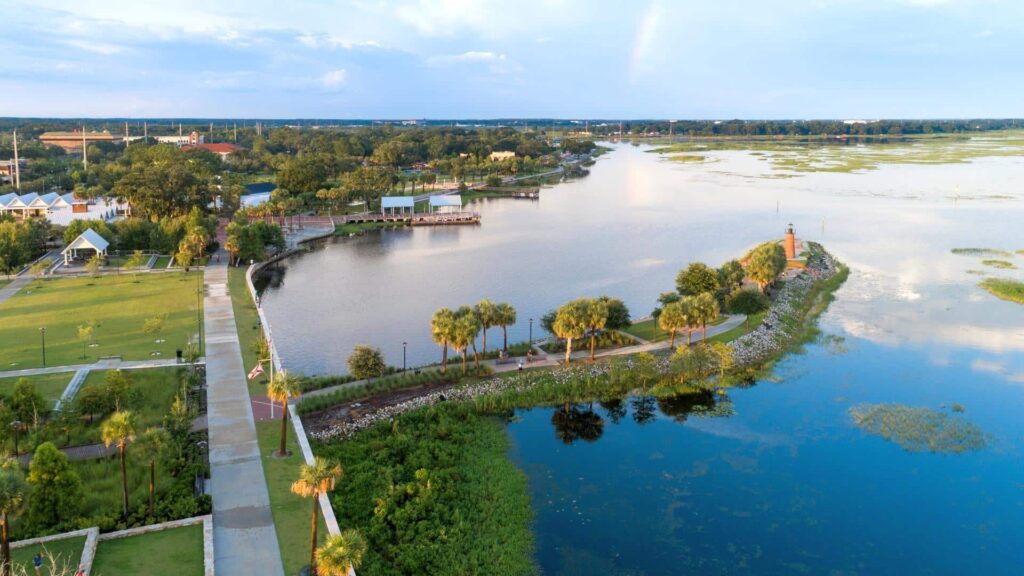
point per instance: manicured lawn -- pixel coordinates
(748, 326)
(291, 513)
(51, 386)
(4, 283)
(649, 330)
(117, 304)
(178, 551)
(248, 325)
(67, 551)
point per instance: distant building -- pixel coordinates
(503, 155)
(191, 139)
(7, 169)
(221, 148)
(59, 209)
(72, 141)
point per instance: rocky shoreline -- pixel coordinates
(769, 339)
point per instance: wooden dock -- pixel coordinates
(417, 219)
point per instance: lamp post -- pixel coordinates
(199, 311)
(404, 344)
(42, 335)
(16, 425)
(531, 332)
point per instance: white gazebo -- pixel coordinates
(446, 204)
(397, 205)
(88, 240)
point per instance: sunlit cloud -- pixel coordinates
(333, 79)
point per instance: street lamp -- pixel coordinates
(16, 425)
(42, 335)
(404, 344)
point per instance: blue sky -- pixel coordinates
(522, 58)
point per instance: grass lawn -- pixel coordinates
(747, 327)
(178, 551)
(117, 304)
(51, 386)
(161, 262)
(247, 323)
(154, 388)
(102, 481)
(291, 513)
(67, 551)
(4, 283)
(649, 330)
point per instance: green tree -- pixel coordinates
(92, 265)
(26, 402)
(316, 479)
(697, 278)
(119, 391)
(341, 554)
(185, 255)
(645, 368)
(40, 267)
(153, 443)
(724, 357)
(13, 494)
(119, 430)
(730, 275)
(466, 329)
(136, 261)
(746, 301)
(571, 323)
(618, 314)
(57, 494)
(85, 333)
(596, 318)
(505, 317)
(366, 362)
(13, 252)
(442, 328)
(282, 387)
(705, 310)
(92, 400)
(487, 312)
(664, 299)
(674, 317)
(765, 264)
(493, 180)
(153, 326)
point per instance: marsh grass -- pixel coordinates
(980, 252)
(1001, 264)
(919, 429)
(1005, 289)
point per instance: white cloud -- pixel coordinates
(333, 79)
(471, 57)
(330, 41)
(94, 47)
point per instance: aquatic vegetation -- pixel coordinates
(1002, 264)
(687, 158)
(918, 429)
(980, 252)
(1005, 289)
(977, 272)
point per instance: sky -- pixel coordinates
(410, 59)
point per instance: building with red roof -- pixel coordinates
(223, 148)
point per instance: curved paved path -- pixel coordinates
(244, 538)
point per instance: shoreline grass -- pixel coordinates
(1001, 264)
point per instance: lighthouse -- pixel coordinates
(790, 243)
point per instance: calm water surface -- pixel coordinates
(781, 482)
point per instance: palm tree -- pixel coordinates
(231, 245)
(570, 323)
(506, 316)
(487, 312)
(314, 480)
(153, 442)
(673, 318)
(282, 387)
(13, 493)
(690, 307)
(341, 554)
(442, 327)
(119, 430)
(705, 310)
(596, 313)
(468, 323)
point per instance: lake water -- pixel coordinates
(786, 484)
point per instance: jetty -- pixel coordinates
(412, 219)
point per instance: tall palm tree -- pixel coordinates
(468, 324)
(341, 554)
(13, 493)
(506, 316)
(119, 430)
(280, 389)
(487, 313)
(153, 442)
(596, 313)
(314, 480)
(571, 323)
(706, 310)
(231, 245)
(690, 308)
(673, 318)
(442, 327)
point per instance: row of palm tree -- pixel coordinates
(689, 313)
(340, 553)
(459, 329)
(578, 318)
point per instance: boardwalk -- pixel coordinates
(243, 529)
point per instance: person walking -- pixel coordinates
(37, 561)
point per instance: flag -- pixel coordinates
(256, 371)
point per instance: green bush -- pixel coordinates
(746, 301)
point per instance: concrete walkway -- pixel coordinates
(245, 541)
(108, 364)
(15, 285)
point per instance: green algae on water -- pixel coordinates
(918, 429)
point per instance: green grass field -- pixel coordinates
(67, 551)
(4, 283)
(51, 386)
(117, 304)
(747, 327)
(178, 551)
(649, 330)
(102, 480)
(292, 514)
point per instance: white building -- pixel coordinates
(191, 139)
(88, 240)
(505, 155)
(60, 209)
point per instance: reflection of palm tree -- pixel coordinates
(681, 406)
(643, 409)
(615, 409)
(571, 424)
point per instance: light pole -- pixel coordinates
(531, 332)
(404, 344)
(16, 425)
(42, 335)
(199, 311)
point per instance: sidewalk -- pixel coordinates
(109, 364)
(245, 541)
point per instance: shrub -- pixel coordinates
(366, 362)
(744, 301)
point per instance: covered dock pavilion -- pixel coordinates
(446, 203)
(395, 205)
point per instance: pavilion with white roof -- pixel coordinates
(88, 240)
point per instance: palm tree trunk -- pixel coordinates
(485, 341)
(672, 344)
(689, 336)
(444, 359)
(504, 330)
(568, 350)
(284, 429)
(5, 549)
(704, 333)
(464, 358)
(152, 485)
(476, 356)
(124, 482)
(593, 344)
(312, 547)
